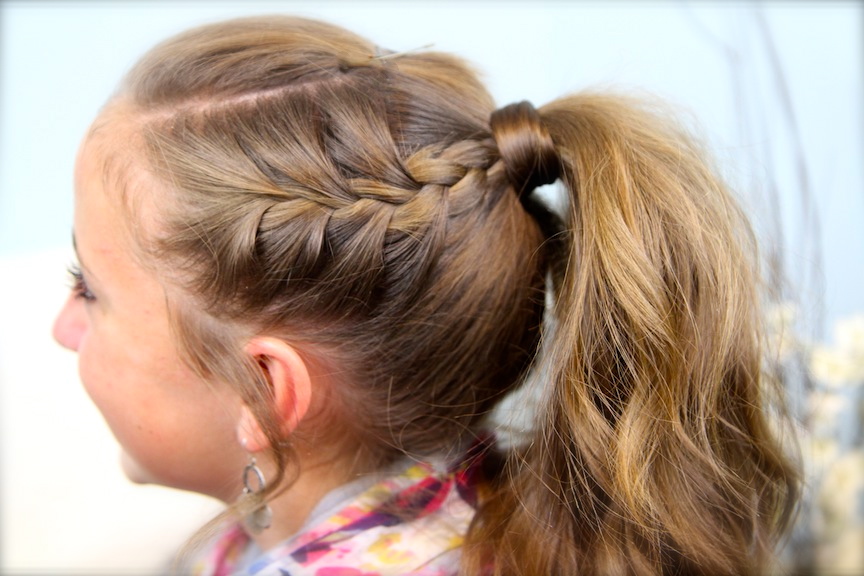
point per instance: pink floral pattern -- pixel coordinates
(409, 524)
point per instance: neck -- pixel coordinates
(293, 506)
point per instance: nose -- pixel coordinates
(70, 324)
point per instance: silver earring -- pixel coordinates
(260, 515)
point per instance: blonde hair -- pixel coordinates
(379, 209)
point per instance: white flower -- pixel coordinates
(846, 554)
(849, 334)
(825, 409)
(819, 454)
(834, 367)
(780, 322)
(842, 364)
(781, 315)
(843, 487)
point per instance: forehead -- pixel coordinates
(112, 163)
(108, 150)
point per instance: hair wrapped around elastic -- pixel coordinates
(528, 152)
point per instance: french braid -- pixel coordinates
(379, 211)
(338, 211)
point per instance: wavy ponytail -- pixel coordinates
(652, 453)
(363, 209)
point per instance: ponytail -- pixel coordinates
(652, 453)
(357, 207)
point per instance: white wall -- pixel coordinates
(65, 505)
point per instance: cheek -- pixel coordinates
(126, 400)
(94, 363)
(119, 394)
(89, 370)
(174, 430)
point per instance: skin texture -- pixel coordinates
(174, 429)
(281, 181)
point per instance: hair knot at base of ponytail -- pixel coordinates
(529, 154)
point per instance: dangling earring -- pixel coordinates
(259, 516)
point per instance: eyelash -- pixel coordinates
(79, 285)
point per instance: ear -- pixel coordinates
(288, 374)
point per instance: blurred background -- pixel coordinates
(774, 88)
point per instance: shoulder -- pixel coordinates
(410, 523)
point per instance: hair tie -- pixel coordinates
(527, 149)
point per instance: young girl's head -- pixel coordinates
(298, 245)
(319, 195)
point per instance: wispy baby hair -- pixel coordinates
(383, 210)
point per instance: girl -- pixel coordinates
(311, 268)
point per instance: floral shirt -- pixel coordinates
(411, 523)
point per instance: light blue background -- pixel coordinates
(61, 60)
